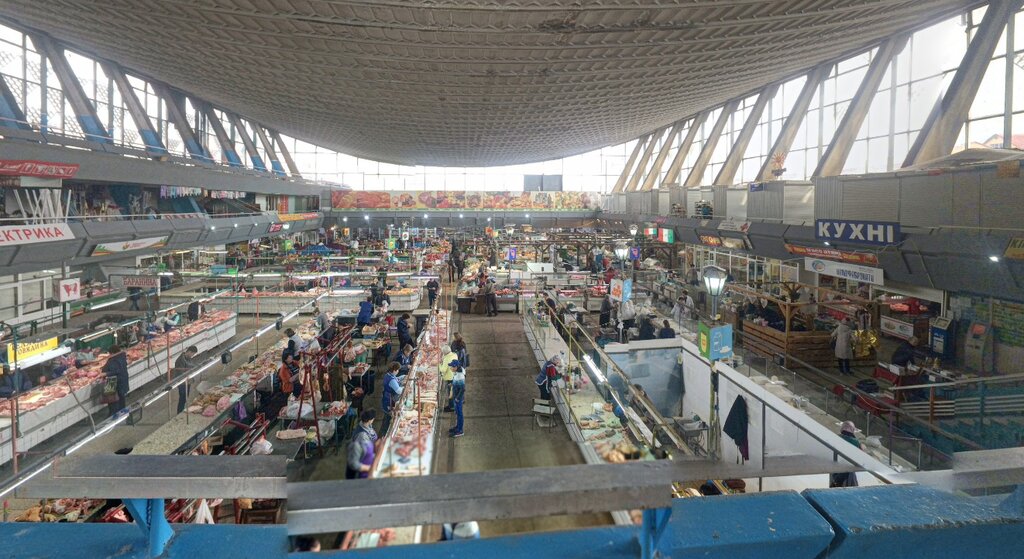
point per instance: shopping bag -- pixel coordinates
(109, 395)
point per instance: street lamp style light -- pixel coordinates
(510, 229)
(714, 282)
(633, 228)
(622, 251)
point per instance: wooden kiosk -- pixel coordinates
(810, 344)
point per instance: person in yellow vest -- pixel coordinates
(446, 373)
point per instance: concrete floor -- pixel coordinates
(499, 425)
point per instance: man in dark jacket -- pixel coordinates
(16, 381)
(181, 366)
(117, 367)
(904, 354)
(432, 288)
(195, 310)
(404, 336)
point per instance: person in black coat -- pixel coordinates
(12, 382)
(647, 329)
(404, 336)
(117, 367)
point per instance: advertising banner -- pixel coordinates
(634, 253)
(104, 249)
(298, 217)
(459, 200)
(714, 343)
(865, 258)
(846, 271)
(44, 169)
(11, 235)
(513, 254)
(30, 349)
(1015, 249)
(736, 226)
(881, 233)
(710, 240)
(275, 228)
(620, 290)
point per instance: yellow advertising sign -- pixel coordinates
(1015, 249)
(30, 349)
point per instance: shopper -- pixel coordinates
(485, 293)
(627, 314)
(458, 396)
(848, 431)
(391, 388)
(547, 376)
(491, 299)
(460, 349)
(404, 334)
(182, 365)
(679, 310)
(605, 316)
(134, 295)
(432, 288)
(666, 332)
(116, 367)
(549, 301)
(365, 312)
(904, 354)
(647, 330)
(842, 338)
(363, 448)
(692, 276)
(688, 305)
(445, 372)
(295, 342)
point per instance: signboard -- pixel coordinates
(864, 258)
(141, 282)
(756, 187)
(1015, 249)
(457, 200)
(620, 290)
(710, 240)
(282, 204)
(275, 227)
(11, 235)
(737, 226)
(634, 253)
(667, 235)
(405, 235)
(30, 168)
(66, 290)
(104, 249)
(881, 233)
(853, 272)
(31, 349)
(714, 343)
(298, 217)
(513, 253)
(392, 243)
(897, 328)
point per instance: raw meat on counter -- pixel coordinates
(92, 373)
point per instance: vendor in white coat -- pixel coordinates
(842, 337)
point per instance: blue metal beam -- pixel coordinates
(175, 102)
(227, 147)
(275, 164)
(149, 136)
(150, 517)
(11, 115)
(250, 146)
(292, 167)
(84, 109)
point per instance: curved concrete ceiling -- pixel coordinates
(470, 83)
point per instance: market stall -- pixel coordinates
(408, 446)
(47, 410)
(798, 323)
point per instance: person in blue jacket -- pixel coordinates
(404, 336)
(16, 381)
(365, 312)
(389, 399)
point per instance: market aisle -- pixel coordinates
(499, 425)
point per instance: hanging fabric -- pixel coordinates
(736, 427)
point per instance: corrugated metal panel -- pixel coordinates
(874, 199)
(664, 202)
(736, 203)
(828, 197)
(997, 209)
(966, 198)
(797, 201)
(720, 200)
(926, 200)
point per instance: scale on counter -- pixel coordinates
(942, 338)
(978, 347)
